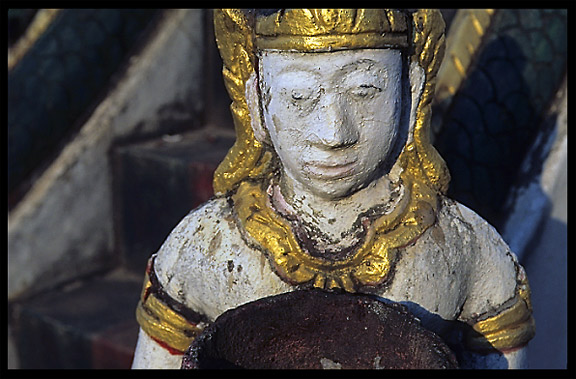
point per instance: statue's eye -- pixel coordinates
(365, 90)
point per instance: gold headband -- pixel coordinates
(331, 29)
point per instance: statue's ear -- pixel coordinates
(253, 101)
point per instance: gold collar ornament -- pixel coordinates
(249, 165)
(369, 265)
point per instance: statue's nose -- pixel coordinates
(334, 128)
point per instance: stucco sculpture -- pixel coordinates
(334, 184)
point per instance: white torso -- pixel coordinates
(458, 268)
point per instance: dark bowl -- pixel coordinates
(313, 329)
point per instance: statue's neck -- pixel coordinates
(334, 224)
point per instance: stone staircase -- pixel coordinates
(147, 152)
(90, 323)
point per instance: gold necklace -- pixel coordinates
(372, 262)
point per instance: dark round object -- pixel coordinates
(312, 329)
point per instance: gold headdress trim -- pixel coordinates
(332, 42)
(331, 29)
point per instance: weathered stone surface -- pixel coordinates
(303, 170)
(61, 77)
(113, 347)
(196, 271)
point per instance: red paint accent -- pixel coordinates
(146, 294)
(149, 266)
(170, 349)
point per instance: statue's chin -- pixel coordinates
(335, 189)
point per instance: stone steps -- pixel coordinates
(91, 323)
(156, 183)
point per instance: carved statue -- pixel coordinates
(333, 184)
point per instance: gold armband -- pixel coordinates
(166, 321)
(511, 328)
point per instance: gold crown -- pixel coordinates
(331, 29)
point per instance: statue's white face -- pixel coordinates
(332, 117)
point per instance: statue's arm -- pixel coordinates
(150, 355)
(167, 326)
(498, 309)
(168, 322)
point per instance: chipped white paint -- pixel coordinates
(147, 348)
(325, 114)
(328, 364)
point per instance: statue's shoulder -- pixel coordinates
(206, 264)
(466, 221)
(482, 239)
(456, 213)
(197, 243)
(493, 266)
(196, 232)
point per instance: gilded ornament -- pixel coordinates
(296, 190)
(163, 323)
(512, 327)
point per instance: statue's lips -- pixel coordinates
(329, 170)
